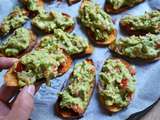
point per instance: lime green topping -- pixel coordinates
(16, 43)
(14, 20)
(71, 43)
(117, 4)
(53, 20)
(144, 47)
(40, 65)
(80, 86)
(149, 22)
(34, 5)
(114, 91)
(99, 22)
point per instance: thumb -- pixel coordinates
(23, 105)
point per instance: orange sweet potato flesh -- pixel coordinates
(116, 108)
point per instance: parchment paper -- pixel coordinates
(148, 80)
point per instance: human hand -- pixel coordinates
(6, 62)
(23, 104)
(21, 108)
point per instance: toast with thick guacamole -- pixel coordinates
(116, 84)
(71, 2)
(34, 6)
(75, 96)
(47, 22)
(72, 44)
(13, 21)
(98, 24)
(142, 47)
(117, 6)
(38, 66)
(18, 43)
(140, 25)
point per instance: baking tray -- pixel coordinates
(147, 85)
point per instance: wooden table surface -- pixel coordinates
(153, 114)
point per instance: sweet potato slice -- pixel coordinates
(71, 2)
(91, 35)
(75, 111)
(116, 108)
(12, 15)
(32, 43)
(68, 29)
(88, 51)
(11, 76)
(109, 8)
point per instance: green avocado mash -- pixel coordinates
(16, 43)
(39, 65)
(113, 91)
(49, 21)
(33, 5)
(117, 4)
(72, 44)
(80, 86)
(149, 22)
(99, 22)
(144, 47)
(14, 20)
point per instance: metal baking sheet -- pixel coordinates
(147, 86)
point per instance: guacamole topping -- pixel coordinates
(33, 5)
(71, 43)
(117, 83)
(39, 64)
(99, 22)
(144, 47)
(16, 43)
(14, 20)
(80, 87)
(149, 22)
(117, 4)
(53, 20)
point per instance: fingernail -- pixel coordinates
(30, 89)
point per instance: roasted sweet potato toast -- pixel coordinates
(11, 77)
(76, 83)
(31, 38)
(53, 22)
(34, 6)
(110, 9)
(13, 21)
(71, 2)
(97, 38)
(141, 25)
(116, 84)
(73, 45)
(145, 48)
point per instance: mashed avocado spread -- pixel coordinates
(117, 4)
(115, 91)
(80, 86)
(149, 22)
(144, 47)
(71, 43)
(52, 20)
(99, 22)
(14, 20)
(39, 64)
(16, 43)
(33, 5)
